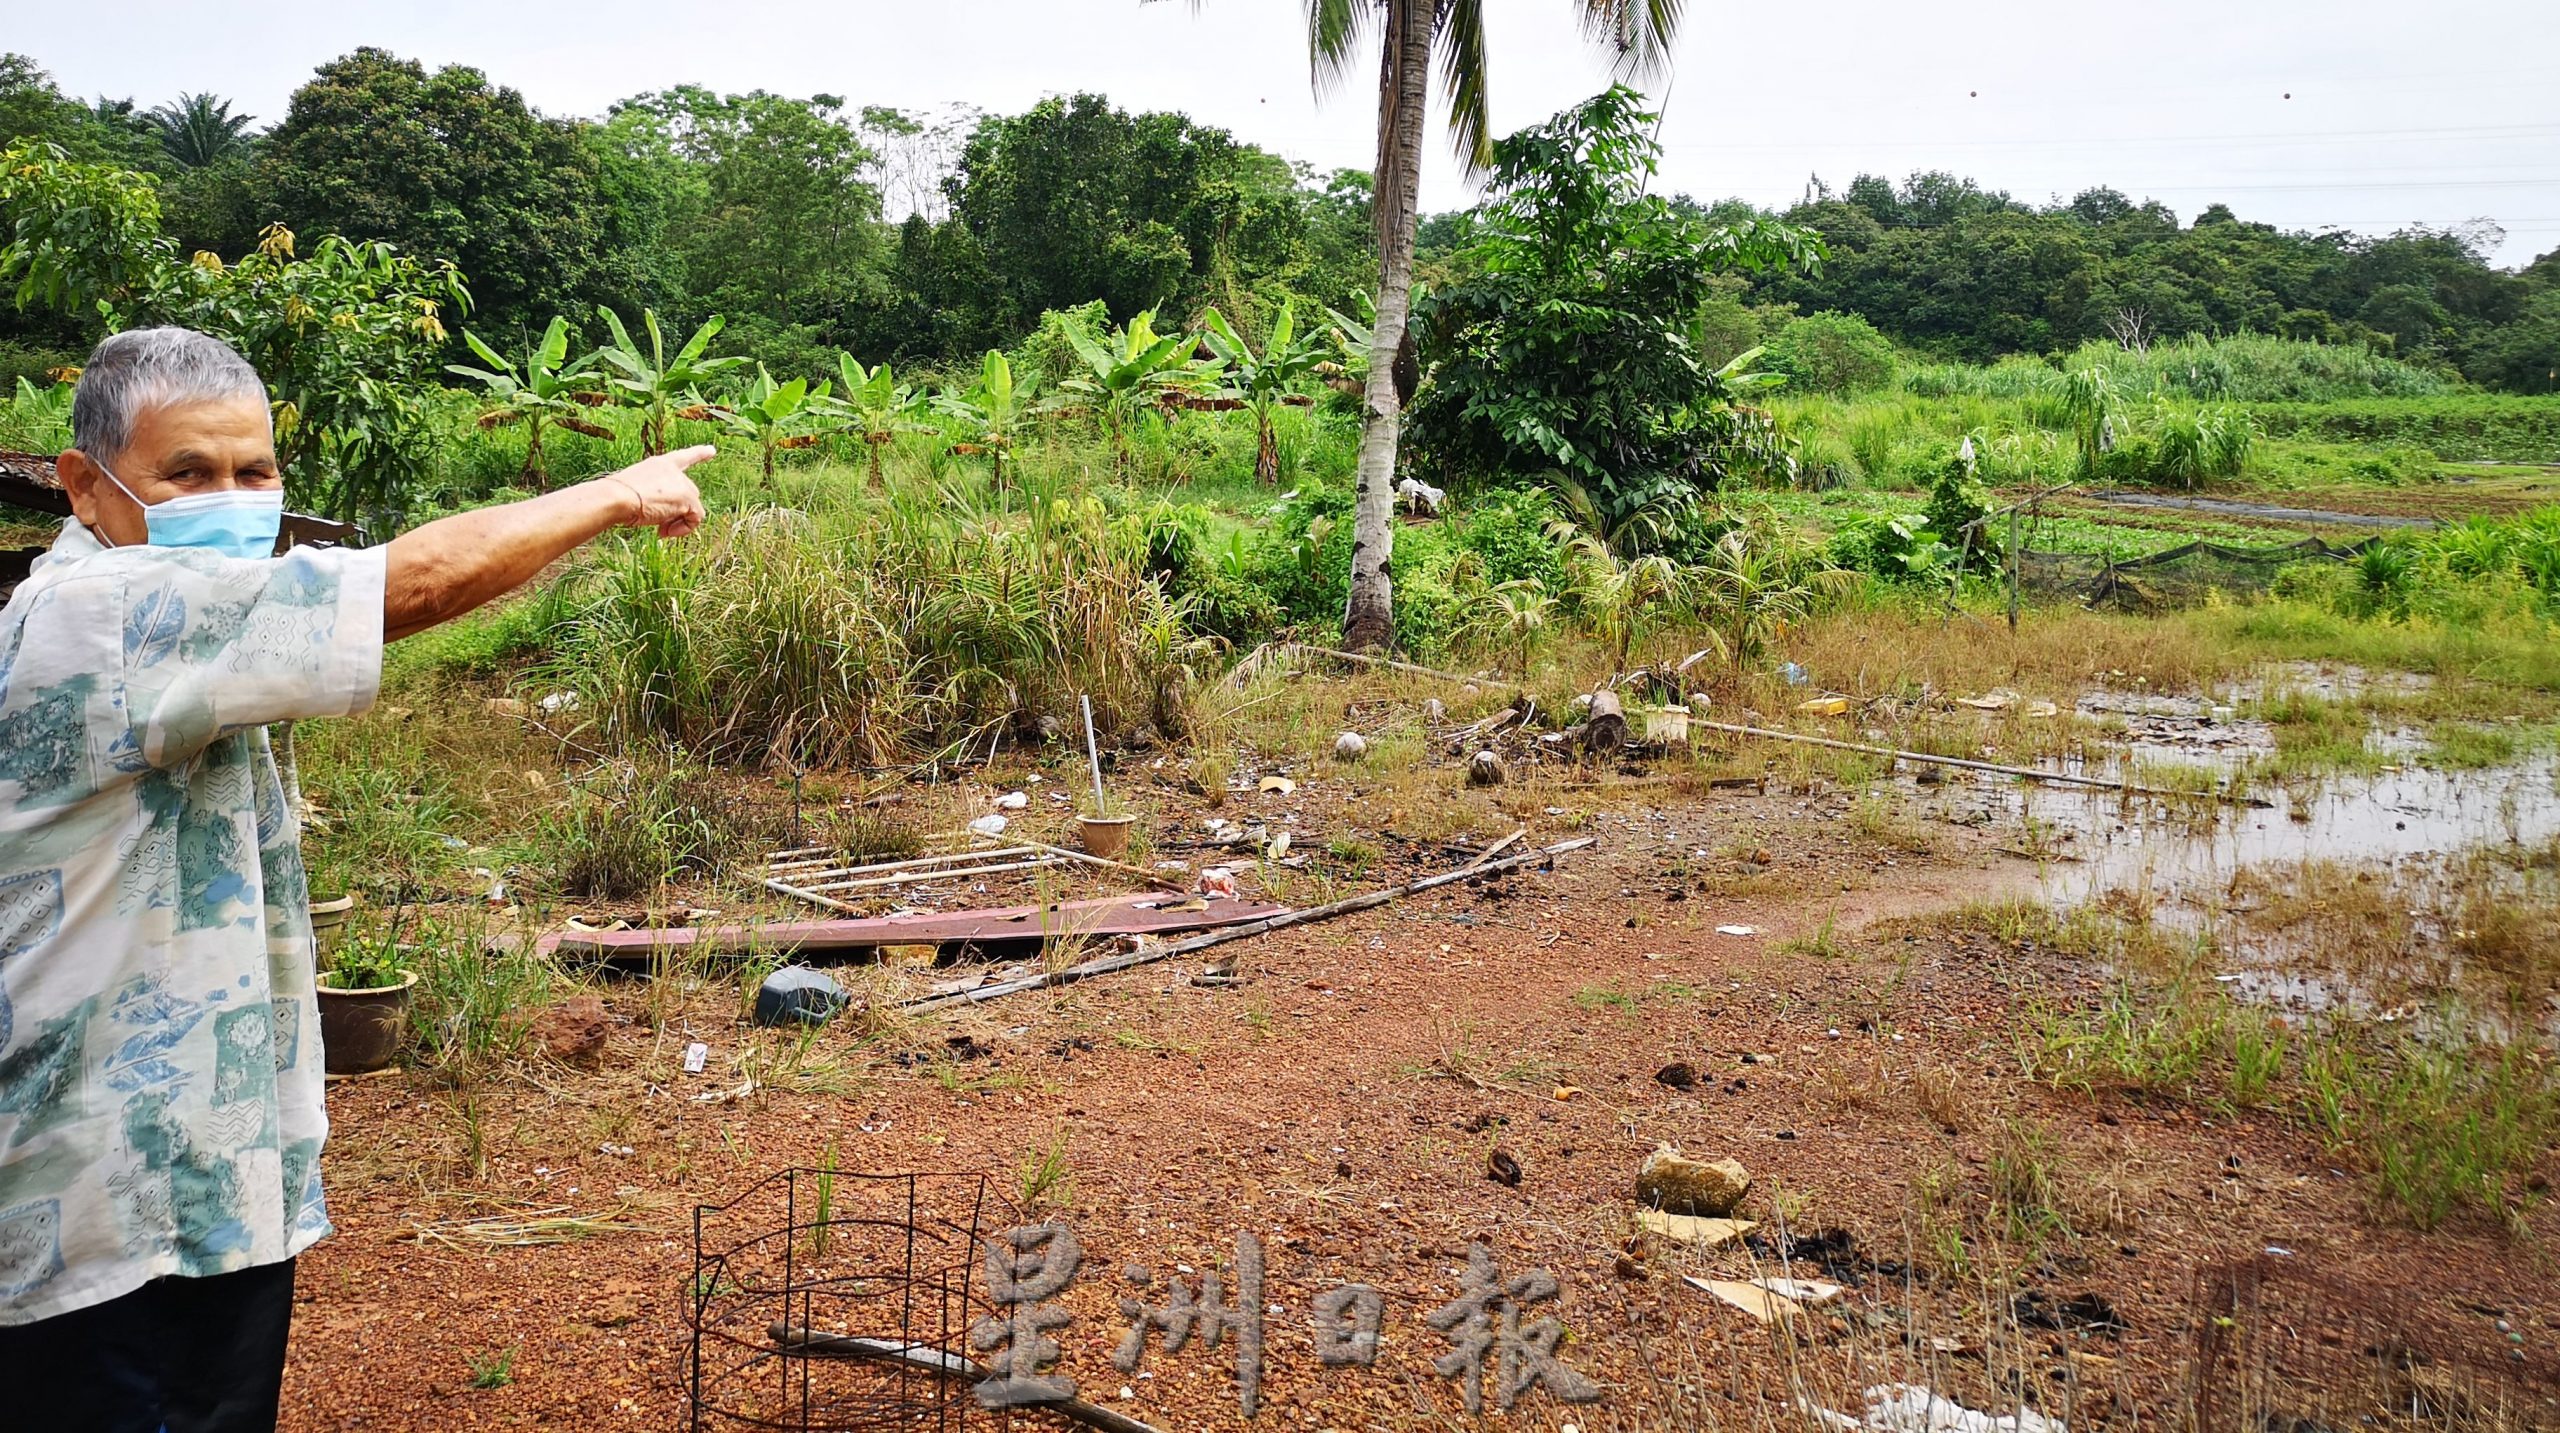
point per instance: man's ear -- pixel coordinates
(81, 480)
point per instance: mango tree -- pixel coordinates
(649, 380)
(774, 416)
(547, 389)
(879, 406)
(1263, 380)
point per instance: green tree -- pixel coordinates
(775, 416)
(879, 406)
(1128, 371)
(651, 380)
(445, 165)
(1266, 378)
(200, 129)
(1636, 33)
(1830, 352)
(1564, 348)
(772, 213)
(72, 234)
(546, 390)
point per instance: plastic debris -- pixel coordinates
(1793, 675)
(1825, 706)
(1276, 785)
(1737, 930)
(797, 992)
(694, 1056)
(1911, 1408)
(1013, 801)
(987, 826)
(558, 702)
(1218, 881)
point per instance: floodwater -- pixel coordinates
(2234, 508)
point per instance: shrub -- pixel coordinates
(1508, 535)
(1831, 352)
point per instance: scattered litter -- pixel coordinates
(694, 1056)
(1502, 1168)
(1910, 1408)
(558, 702)
(1218, 881)
(1793, 675)
(1277, 785)
(1701, 704)
(1824, 706)
(1013, 801)
(1434, 711)
(1737, 930)
(1279, 846)
(987, 826)
(1350, 746)
(1567, 1093)
(1812, 1293)
(2279, 1251)
(1690, 1229)
(2042, 711)
(1420, 498)
(798, 993)
(1758, 1302)
(1989, 701)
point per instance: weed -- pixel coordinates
(1601, 997)
(1045, 1177)
(494, 1369)
(475, 998)
(2026, 1189)
(822, 1218)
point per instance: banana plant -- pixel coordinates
(995, 407)
(654, 383)
(1128, 371)
(546, 390)
(879, 406)
(774, 416)
(1263, 380)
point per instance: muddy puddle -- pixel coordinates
(2270, 512)
(2407, 839)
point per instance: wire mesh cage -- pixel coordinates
(2280, 1347)
(827, 1300)
(2178, 576)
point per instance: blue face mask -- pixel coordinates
(239, 522)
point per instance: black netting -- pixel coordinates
(2174, 577)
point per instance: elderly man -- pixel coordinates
(160, 1083)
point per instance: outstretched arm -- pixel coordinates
(445, 568)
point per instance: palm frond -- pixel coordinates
(1335, 29)
(1636, 33)
(1464, 76)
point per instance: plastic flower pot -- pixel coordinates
(1105, 836)
(1666, 724)
(360, 1029)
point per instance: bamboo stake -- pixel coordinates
(1093, 753)
(1109, 964)
(2027, 772)
(1388, 662)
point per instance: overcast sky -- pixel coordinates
(2345, 113)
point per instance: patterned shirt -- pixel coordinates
(161, 1104)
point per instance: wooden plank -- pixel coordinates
(1110, 916)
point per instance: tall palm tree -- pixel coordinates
(1635, 33)
(200, 129)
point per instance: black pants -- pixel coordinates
(180, 1355)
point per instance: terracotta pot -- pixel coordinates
(1105, 836)
(329, 923)
(360, 1029)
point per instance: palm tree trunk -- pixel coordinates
(1368, 620)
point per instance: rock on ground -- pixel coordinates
(574, 1030)
(1677, 1184)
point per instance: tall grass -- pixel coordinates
(879, 629)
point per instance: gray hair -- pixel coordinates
(146, 368)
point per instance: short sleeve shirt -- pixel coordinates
(161, 1102)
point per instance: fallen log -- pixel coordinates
(2027, 773)
(1110, 964)
(808, 1343)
